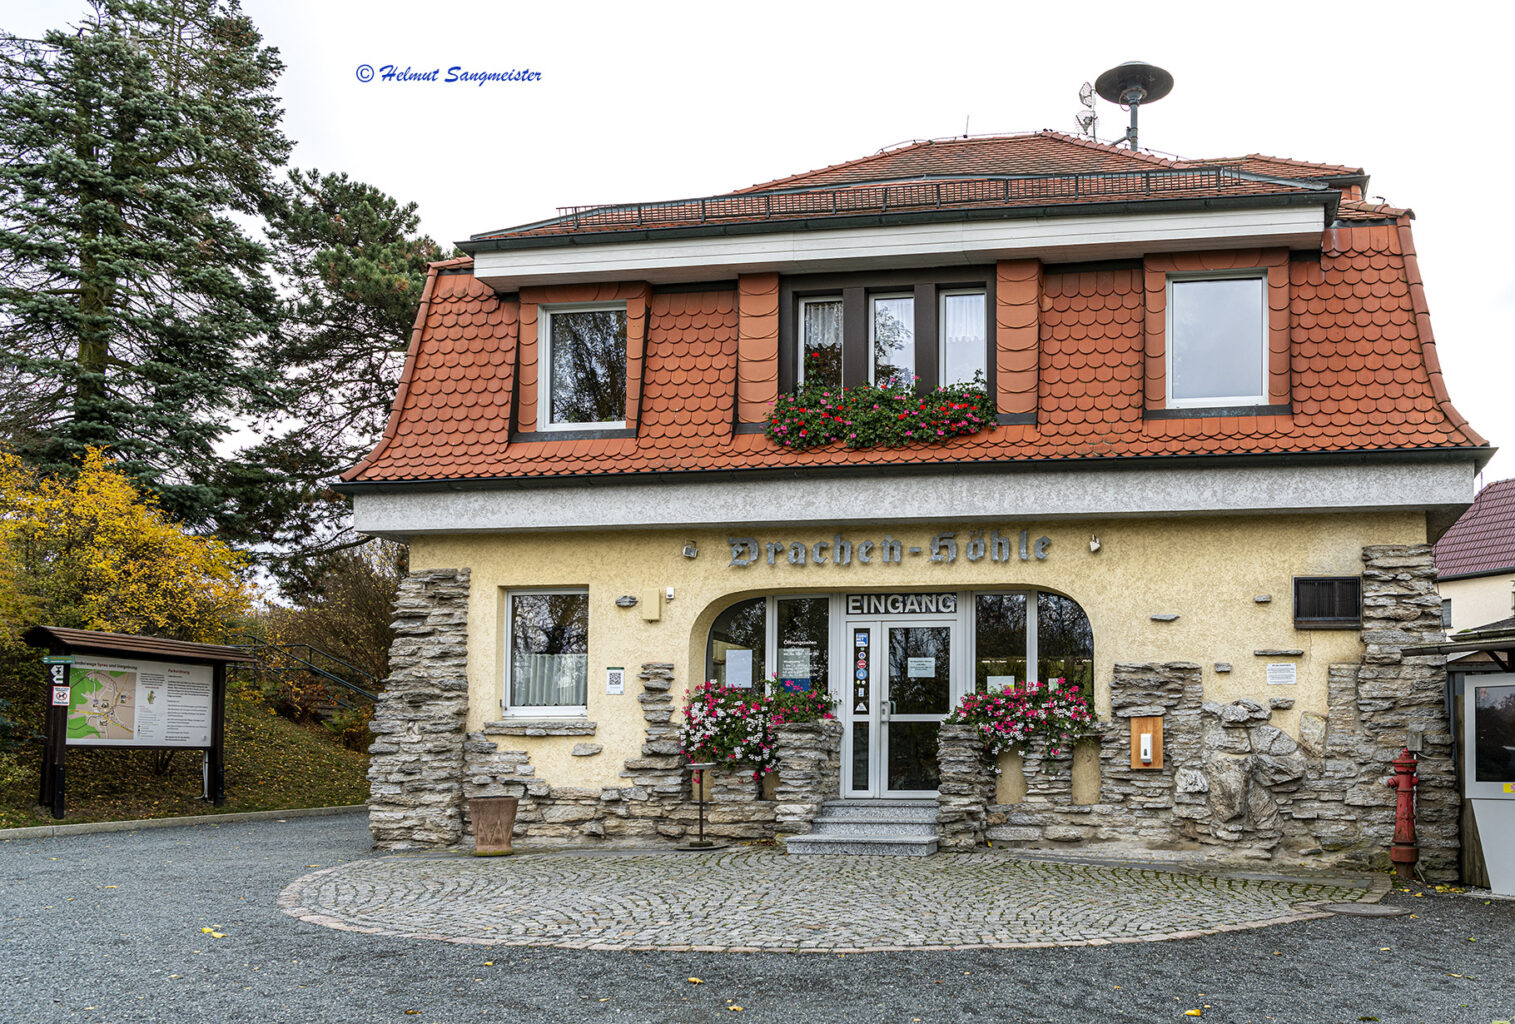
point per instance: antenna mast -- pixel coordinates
(1132, 84)
(1087, 119)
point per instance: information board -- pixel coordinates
(116, 703)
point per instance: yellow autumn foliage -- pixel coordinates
(93, 552)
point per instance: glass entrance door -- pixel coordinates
(900, 689)
(917, 696)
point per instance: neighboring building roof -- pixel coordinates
(1483, 540)
(999, 173)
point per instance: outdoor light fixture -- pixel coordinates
(1094, 543)
(690, 549)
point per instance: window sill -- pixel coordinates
(576, 433)
(540, 727)
(1199, 411)
(1328, 624)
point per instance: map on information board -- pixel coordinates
(123, 703)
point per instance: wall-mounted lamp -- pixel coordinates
(691, 550)
(1094, 544)
(626, 601)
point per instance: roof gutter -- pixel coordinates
(1481, 456)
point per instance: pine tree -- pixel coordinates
(132, 151)
(353, 265)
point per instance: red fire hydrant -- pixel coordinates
(1405, 852)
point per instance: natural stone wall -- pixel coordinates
(656, 802)
(1236, 786)
(966, 787)
(416, 768)
(810, 772)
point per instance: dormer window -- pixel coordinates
(582, 369)
(1217, 340)
(821, 333)
(922, 328)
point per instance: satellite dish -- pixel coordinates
(1086, 95)
(1132, 84)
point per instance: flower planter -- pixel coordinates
(494, 818)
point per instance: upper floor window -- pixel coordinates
(582, 366)
(964, 335)
(821, 341)
(930, 326)
(1217, 340)
(891, 336)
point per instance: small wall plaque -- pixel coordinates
(1282, 673)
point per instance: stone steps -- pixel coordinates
(877, 828)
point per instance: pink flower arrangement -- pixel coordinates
(734, 727)
(1009, 719)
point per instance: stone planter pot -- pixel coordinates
(730, 785)
(494, 818)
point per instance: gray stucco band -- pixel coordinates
(1442, 486)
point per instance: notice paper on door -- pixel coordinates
(739, 668)
(922, 668)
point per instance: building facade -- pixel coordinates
(1475, 561)
(1220, 448)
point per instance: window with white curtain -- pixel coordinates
(821, 341)
(547, 664)
(964, 344)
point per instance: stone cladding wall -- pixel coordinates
(1236, 786)
(810, 754)
(1232, 784)
(965, 790)
(415, 770)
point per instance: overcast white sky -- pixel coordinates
(660, 100)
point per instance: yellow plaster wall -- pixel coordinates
(1205, 570)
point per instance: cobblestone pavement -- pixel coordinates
(750, 900)
(111, 929)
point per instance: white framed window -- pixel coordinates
(962, 325)
(581, 366)
(821, 340)
(546, 652)
(891, 338)
(1217, 340)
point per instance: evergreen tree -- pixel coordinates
(132, 151)
(353, 264)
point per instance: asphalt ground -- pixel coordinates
(108, 927)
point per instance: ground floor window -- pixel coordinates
(548, 660)
(800, 641)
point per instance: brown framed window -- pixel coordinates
(934, 325)
(1327, 602)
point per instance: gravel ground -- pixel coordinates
(107, 927)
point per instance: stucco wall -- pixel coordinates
(1208, 571)
(1479, 601)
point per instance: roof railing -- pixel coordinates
(895, 196)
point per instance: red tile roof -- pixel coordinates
(1362, 367)
(1483, 540)
(1044, 168)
